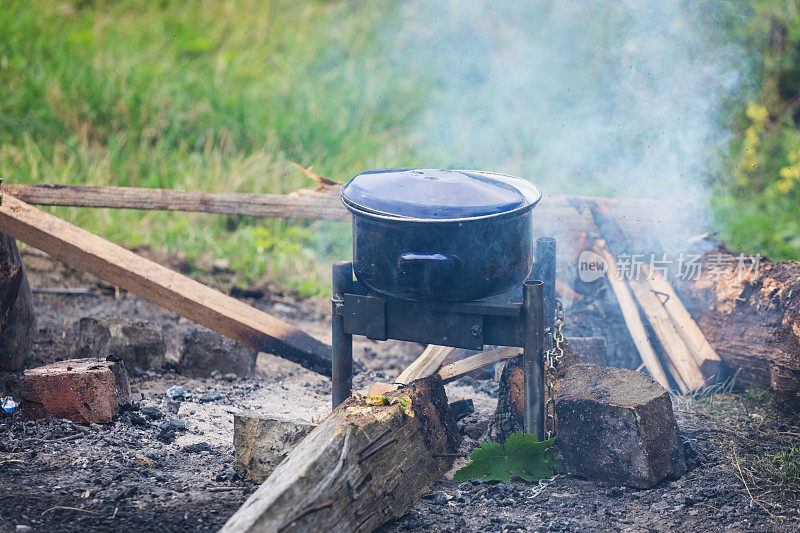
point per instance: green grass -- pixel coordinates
(223, 95)
(781, 469)
(202, 95)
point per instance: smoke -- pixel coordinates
(621, 98)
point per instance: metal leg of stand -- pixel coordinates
(546, 271)
(342, 355)
(532, 349)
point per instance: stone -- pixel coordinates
(197, 447)
(262, 442)
(205, 351)
(85, 391)
(617, 426)
(139, 343)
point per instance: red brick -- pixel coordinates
(82, 390)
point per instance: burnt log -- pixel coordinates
(17, 319)
(751, 317)
(361, 467)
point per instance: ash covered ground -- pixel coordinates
(168, 466)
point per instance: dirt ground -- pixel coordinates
(162, 466)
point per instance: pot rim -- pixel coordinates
(521, 184)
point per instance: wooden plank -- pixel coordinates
(425, 365)
(360, 468)
(674, 347)
(455, 370)
(633, 321)
(704, 354)
(318, 204)
(553, 216)
(197, 302)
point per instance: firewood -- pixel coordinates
(162, 286)
(425, 365)
(704, 354)
(671, 341)
(460, 368)
(360, 468)
(633, 321)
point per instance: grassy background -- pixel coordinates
(222, 96)
(201, 95)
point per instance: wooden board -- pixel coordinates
(674, 348)
(197, 302)
(464, 366)
(704, 354)
(554, 215)
(317, 204)
(632, 319)
(360, 468)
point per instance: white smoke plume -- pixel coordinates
(623, 98)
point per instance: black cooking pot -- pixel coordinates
(451, 235)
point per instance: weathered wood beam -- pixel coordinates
(360, 468)
(666, 332)
(630, 315)
(317, 204)
(182, 295)
(704, 354)
(554, 214)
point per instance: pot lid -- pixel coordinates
(425, 193)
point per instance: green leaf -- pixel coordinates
(522, 455)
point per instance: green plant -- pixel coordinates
(758, 395)
(522, 455)
(781, 469)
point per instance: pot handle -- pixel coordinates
(435, 262)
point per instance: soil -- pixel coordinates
(168, 466)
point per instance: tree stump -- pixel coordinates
(17, 319)
(509, 416)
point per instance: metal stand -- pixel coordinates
(517, 318)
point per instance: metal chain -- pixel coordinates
(552, 358)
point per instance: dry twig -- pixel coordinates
(322, 182)
(741, 476)
(65, 508)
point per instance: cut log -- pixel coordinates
(16, 308)
(752, 320)
(633, 321)
(360, 468)
(197, 302)
(460, 368)
(671, 341)
(425, 365)
(704, 354)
